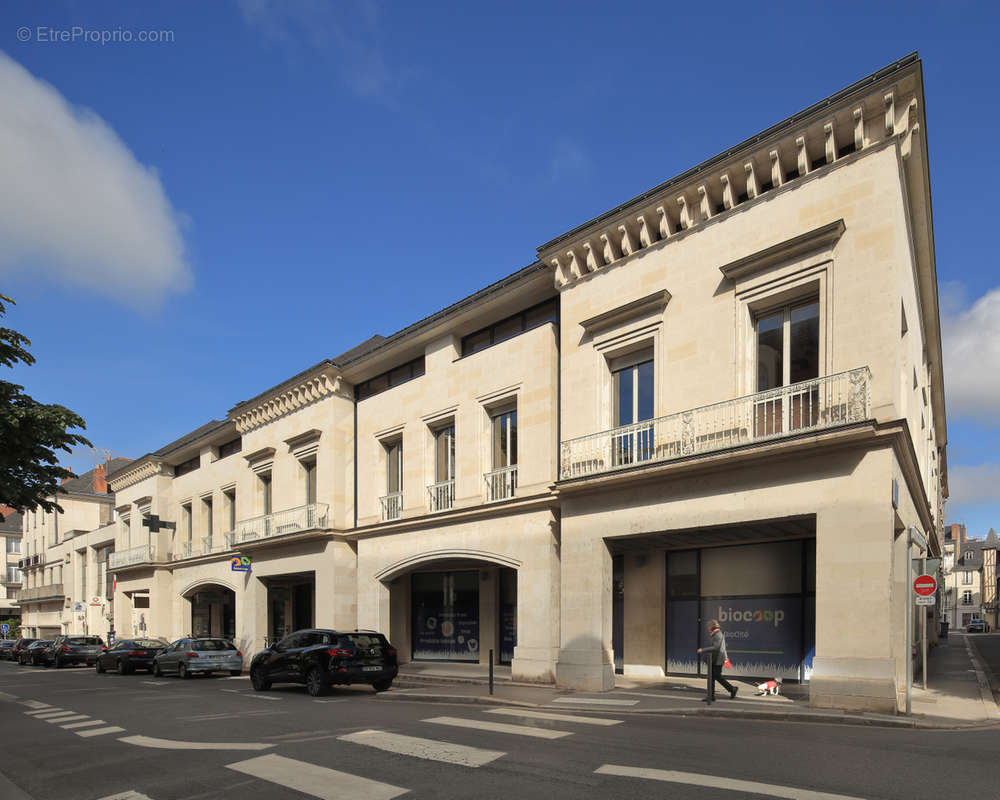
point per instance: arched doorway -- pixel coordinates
(213, 611)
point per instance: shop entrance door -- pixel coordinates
(213, 612)
(445, 616)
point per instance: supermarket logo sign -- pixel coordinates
(768, 616)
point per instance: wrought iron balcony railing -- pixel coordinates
(391, 506)
(292, 520)
(442, 495)
(827, 402)
(501, 484)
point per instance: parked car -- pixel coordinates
(128, 655)
(19, 645)
(977, 626)
(321, 658)
(6, 648)
(34, 653)
(187, 657)
(66, 650)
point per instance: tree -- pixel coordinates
(30, 434)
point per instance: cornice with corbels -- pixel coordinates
(290, 400)
(138, 473)
(828, 136)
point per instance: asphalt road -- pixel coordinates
(294, 746)
(988, 647)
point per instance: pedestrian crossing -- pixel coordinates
(83, 725)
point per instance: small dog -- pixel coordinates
(771, 687)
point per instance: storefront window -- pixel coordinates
(446, 616)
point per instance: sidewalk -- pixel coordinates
(958, 694)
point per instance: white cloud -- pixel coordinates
(969, 485)
(77, 207)
(971, 341)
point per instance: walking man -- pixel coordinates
(717, 659)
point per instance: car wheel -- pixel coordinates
(258, 681)
(182, 671)
(123, 667)
(381, 686)
(314, 682)
(99, 667)
(156, 670)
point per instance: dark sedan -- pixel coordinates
(19, 645)
(66, 650)
(128, 655)
(6, 649)
(34, 653)
(321, 658)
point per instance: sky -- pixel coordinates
(201, 199)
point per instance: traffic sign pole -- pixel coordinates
(923, 626)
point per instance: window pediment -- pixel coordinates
(651, 304)
(809, 242)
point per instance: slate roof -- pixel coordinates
(194, 435)
(12, 522)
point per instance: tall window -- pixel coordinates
(265, 490)
(505, 440)
(632, 379)
(310, 476)
(207, 510)
(966, 577)
(394, 467)
(788, 353)
(230, 496)
(967, 598)
(188, 522)
(444, 454)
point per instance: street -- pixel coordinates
(76, 735)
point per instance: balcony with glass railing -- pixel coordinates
(441, 495)
(282, 523)
(804, 407)
(390, 506)
(134, 556)
(501, 484)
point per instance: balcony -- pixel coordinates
(54, 591)
(134, 556)
(804, 407)
(202, 547)
(282, 523)
(501, 484)
(441, 495)
(391, 506)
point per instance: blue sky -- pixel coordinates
(287, 179)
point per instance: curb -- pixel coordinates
(446, 679)
(985, 679)
(764, 716)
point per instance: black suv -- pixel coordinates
(19, 645)
(320, 658)
(33, 653)
(73, 650)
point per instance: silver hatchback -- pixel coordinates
(187, 657)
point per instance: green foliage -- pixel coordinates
(30, 434)
(15, 627)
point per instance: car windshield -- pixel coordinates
(211, 644)
(84, 640)
(149, 643)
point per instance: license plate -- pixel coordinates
(370, 669)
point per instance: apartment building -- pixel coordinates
(66, 586)
(10, 574)
(721, 399)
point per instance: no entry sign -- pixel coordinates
(924, 585)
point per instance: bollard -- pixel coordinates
(491, 670)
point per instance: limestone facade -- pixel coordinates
(742, 365)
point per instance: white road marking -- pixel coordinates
(49, 713)
(730, 784)
(595, 701)
(35, 704)
(89, 724)
(499, 727)
(67, 718)
(35, 711)
(156, 683)
(516, 712)
(311, 779)
(258, 695)
(237, 678)
(296, 735)
(429, 749)
(129, 795)
(171, 744)
(338, 700)
(100, 731)
(230, 715)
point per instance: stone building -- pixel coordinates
(722, 398)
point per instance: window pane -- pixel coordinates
(476, 342)
(393, 457)
(499, 441)
(804, 345)
(645, 391)
(770, 351)
(543, 313)
(623, 396)
(507, 328)
(445, 447)
(512, 451)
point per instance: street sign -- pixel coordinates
(925, 600)
(96, 601)
(4, 629)
(924, 585)
(240, 563)
(79, 608)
